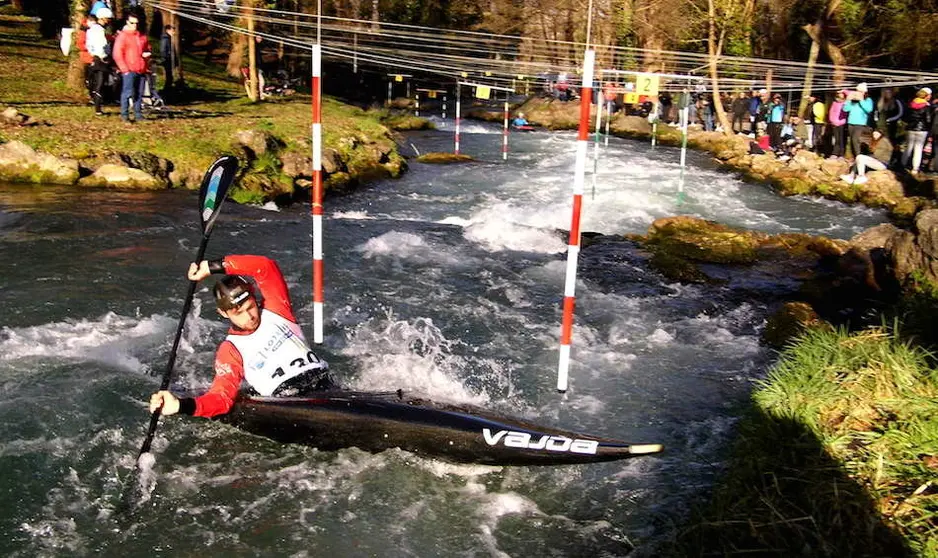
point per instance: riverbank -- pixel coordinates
(49, 134)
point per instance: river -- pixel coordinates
(447, 281)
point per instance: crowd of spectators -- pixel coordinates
(118, 61)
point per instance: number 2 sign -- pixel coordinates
(647, 84)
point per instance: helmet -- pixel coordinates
(105, 13)
(231, 291)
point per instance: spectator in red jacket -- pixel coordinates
(131, 49)
(265, 346)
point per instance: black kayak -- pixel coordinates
(332, 420)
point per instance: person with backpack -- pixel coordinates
(918, 123)
(815, 115)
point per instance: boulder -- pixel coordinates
(256, 142)
(21, 163)
(118, 176)
(790, 321)
(155, 166)
(444, 158)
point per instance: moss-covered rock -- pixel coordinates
(21, 163)
(789, 322)
(406, 122)
(438, 158)
(703, 241)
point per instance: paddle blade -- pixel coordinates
(218, 178)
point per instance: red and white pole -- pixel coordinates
(317, 196)
(458, 107)
(573, 245)
(505, 131)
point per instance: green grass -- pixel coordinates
(32, 79)
(838, 456)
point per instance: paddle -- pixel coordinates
(214, 189)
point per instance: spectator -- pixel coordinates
(755, 107)
(918, 124)
(97, 45)
(874, 156)
(131, 49)
(776, 116)
(169, 58)
(859, 109)
(99, 4)
(815, 116)
(838, 122)
(706, 112)
(888, 113)
(740, 110)
(933, 133)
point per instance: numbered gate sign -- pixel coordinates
(631, 98)
(647, 84)
(398, 78)
(483, 92)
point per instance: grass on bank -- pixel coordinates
(837, 457)
(191, 134)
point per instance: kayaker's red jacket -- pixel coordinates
(229, 368)
(128, 51)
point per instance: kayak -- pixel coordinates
(374, 422)
(524, 128)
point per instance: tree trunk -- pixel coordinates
(809, 74)
(253, 92)
(236, 55)
(818, 35)
(75, 77)
(714, 49)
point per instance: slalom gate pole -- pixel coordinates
(458, 100)
(685, 117)
(654, 132)
(390, 90)
(444, 107)
(573, 245)
(505, 131)
(599, 119)
(608, 118)
(317, 195)
(417, 104)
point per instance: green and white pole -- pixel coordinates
(685, 117)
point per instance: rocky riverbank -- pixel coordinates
(277, 163)
(812, 281)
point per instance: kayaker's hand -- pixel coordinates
(169, 402)
(199, 271)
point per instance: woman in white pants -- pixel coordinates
(874, 156)
(918, 119)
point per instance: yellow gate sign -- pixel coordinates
(398, 78)
(630, 98)
(483, 92)
(647, 84)
(432, 94)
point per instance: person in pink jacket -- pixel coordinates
(131, 49)
(838, 121)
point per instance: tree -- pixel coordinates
(722, 17)
(75, 77)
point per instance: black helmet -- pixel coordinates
(231, 291)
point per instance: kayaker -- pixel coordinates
(265, 345)
(519, 121)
